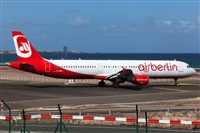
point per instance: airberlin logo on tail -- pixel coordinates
(22, 46)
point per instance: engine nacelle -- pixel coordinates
(141, 79)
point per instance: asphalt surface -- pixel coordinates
(93, 129)
(19, 94)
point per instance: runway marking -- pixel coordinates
(176, 90)
(189, 84)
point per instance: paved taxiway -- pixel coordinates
(96, 129)
(19, 94)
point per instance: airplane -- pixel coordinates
(138, 72)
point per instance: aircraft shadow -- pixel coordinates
(129, 87)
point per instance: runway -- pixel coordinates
(19, 94)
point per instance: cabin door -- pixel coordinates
(180, 67)
(47, 67)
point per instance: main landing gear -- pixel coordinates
(176, 82)
(115, 85)
(101, 83)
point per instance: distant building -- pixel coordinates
(65, 49)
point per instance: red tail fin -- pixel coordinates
(25, 51)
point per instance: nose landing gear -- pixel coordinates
(176, 82)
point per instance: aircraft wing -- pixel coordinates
(127, 75)
(124, 75)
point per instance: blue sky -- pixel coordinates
(142, 26)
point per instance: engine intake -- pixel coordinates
(141, 79)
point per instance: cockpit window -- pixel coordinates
(188, 66)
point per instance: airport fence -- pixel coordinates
(60, 116)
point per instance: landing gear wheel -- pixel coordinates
(176, 82)
(101, 83)
(116, 85)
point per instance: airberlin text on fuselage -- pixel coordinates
(159, 67)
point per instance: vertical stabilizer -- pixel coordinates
(25, 51)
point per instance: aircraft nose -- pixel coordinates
(193, 71)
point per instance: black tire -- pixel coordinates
(116, 85)
(101, 84)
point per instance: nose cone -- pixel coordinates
(193, 71)
(190, 72)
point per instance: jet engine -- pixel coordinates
(141, 79)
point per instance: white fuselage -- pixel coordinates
(152, 68)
